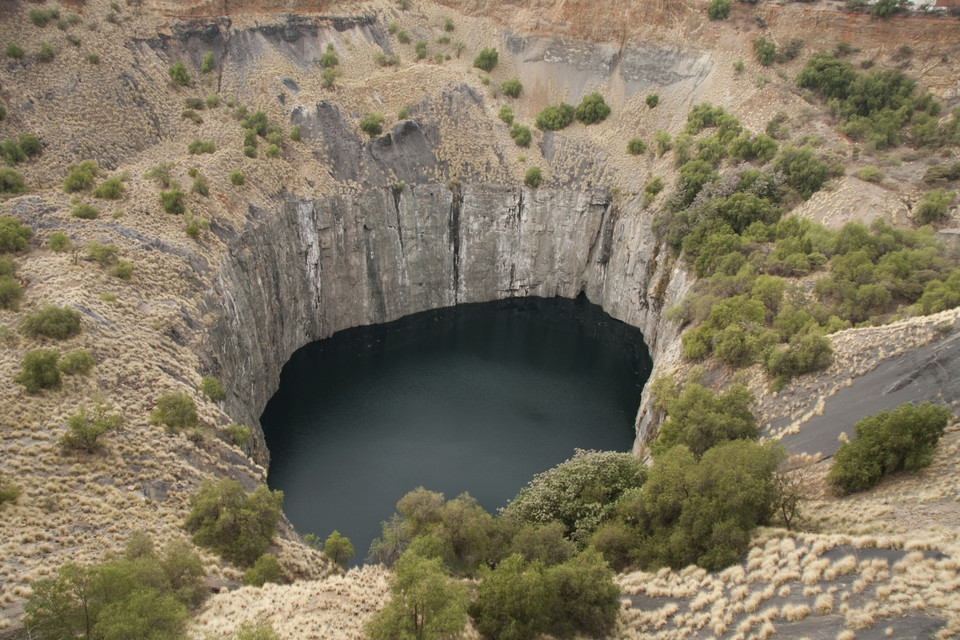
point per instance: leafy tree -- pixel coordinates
(51, 321)
(512, 87)
(533, 177)
(804, 172)
(237, 525)
(887, 442)
(176, 411)
(85, 429)
(425, 603)
(338, 548)
(555, 117)
(514, 601)
(586, 598)
(700, 419)
(486, 60)
(545, 543)
(694, 175)
(719, 9)
(178, 74)
(592, 109)
(265, 569)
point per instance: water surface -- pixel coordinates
(476, 398)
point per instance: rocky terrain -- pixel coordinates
(342, 230)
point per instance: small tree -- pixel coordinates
(486, 60)
(51, 321)
(506, 114)
(653, 100)
(80, 176)
(533, 177)
(178, 74)
(176, 411)
(592, 109)
(85, 429)
(512, 87)
(39, 370)
(173, 201)
(372, 124)
(338, 548)
(934, 206)
(265, 569)
(521, 134)
(719, 9)
(636, 146)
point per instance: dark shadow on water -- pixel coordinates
(475, 398)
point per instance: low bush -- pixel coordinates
(295, 131)
(886, 442)
(239, 434)
(521, 134)
(719, 9)
(265, 569)
(209, 62)
(14, 51)
(486, 59)
(13, 235)
(123, 270)
(272, 151)
(9, 491)
(212, 388)
(403, 37)
(420, 48)
(200, 186)
(651, 190)
(51, 321)
(236, 178)
(636, 146)
(592, 109)
(372, 124)
(110, 189)
(512, 87)
(162, 173)
(85, 429)
(934, 206)
(45, 52)
(198, 147)
(79, 361)
(194, 103)
(30, 145)
(506, 114)
(533, 178)
(175, 411)
(10, 293)
(38, 370)
(329, 57)
(653, 100)
(178, 74)
(448, 25)
(237, 525)
(555, 117)
(80, 176)
(104, 254)
(84, 211)
(173, 201)
(870, 173)
(59, 242)
(11, 181)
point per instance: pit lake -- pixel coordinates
(475, 398)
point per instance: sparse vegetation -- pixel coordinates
(85, 429)
(162, 173)
(10, 292)
(122, 270)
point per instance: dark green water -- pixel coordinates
(476, 398)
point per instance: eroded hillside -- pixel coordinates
(338, 228)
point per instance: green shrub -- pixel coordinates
(173, 201)
(533, 177)
(93, 58)
(84, 429)
(80, 176)
(198, 147)
(209, 62)
(123, 270)
(59, 242)
(653, 100)
(11, 152)
(806, 352)
(51, 321)
(371, 124)
(45, 52)
(265, 569)
(161, 173)
(200, 186)
(804, 171)
(38, 370)
(885, 8)
(448, 25)
(10, 293)
(250, 151)
(636, 146)
(237, 525)
(556, 117)
(651, 190)
(212, 388)
(506, 114)
(383, 60)
(295, 131)
(592, 109)
(521, 134)
(14, 51)
(176, 411)
(178, 74)
(79, 361)
(190, 114)
(110, 189)
(329, 58)
(194, 103)
(11, 181)
(403, 37)
(420, 48)
(9, 492)
(738, 66)
(30, 145)
(486, 59)
(700, 419)
(765, 51)
(512, 87)
(38, 17)
(338, 548)
(13, 235)
(236, 178)
(104, 254)
(934, 206)
(887, 442)
(871, 173)
(719, 9)
(84, 211)
(239, 434)
(273, 151)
